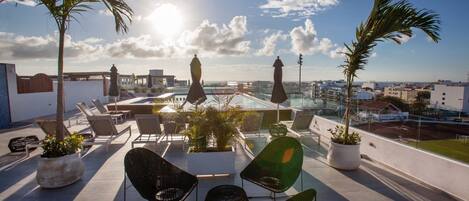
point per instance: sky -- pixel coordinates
(235, 40)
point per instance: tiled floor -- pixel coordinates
(104, 176)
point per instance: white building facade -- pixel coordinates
(450, 97)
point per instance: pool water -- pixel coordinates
(241, 100)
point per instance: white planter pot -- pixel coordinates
(59, 172)
(344, 157)
(211, 163)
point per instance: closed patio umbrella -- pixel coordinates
(196, 93)
(278, 93)
(113, 87)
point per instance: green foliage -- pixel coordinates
(198, 130)
(213, 125)
(55, 148)
(423, 95)
(387, 21)
(223, 125)
(339, 136)
(278, 130)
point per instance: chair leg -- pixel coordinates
(301, 175)
(197, 192)
(125, 186)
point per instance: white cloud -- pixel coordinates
(305, 40)
(338, 53)
(44, 47)
(404, 38)
(270, 43)
(105, 12)
(222, 40)
(23, 2)
(208, 38)
(137, 47)
(283, 8)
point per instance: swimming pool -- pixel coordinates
(215, 100)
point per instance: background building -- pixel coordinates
(454, 97)
(407, 94)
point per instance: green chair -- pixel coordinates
(277, 167)
(307, 195)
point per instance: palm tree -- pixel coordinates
(63, 12)
(387, 21)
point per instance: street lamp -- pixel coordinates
(300, 62)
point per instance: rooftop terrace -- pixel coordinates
(104, 175)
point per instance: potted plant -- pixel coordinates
(278, 130)
(211, 133)
(388, 20)
(60, 163)
(344, 151)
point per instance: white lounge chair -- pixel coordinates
(300, 126)
(149, 128)
(104, 129)
(103, 109)
(88, 113)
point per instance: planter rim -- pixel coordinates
(344, 145)
(60, 157)
(232, 150)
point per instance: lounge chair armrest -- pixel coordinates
(128, 128)
(293, 132)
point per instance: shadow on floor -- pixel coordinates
(31, 191)
(393, 185)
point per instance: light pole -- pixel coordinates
(300, 62)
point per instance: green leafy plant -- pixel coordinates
(63, 13)
(55, 148)
(278, 130)
(198, 130)
(387, 21)
(212, 125)
(339, 136)
(223, 125)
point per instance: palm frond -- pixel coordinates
(388, 21)
(121, 11)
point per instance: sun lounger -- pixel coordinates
(88, 113)
(300, 126)
(149, 128)
(105, 130)
(104, 110)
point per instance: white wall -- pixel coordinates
(32, 105)
(443, 173)
(456, 98)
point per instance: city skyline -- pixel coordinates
(234, 40)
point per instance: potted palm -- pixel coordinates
(211, 133)
(60, 152)
(387, 21)
(60, 163)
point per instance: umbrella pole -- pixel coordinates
(278, 113)
(115, 103)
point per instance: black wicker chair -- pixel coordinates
(155, 178)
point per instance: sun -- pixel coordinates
(167, 19)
